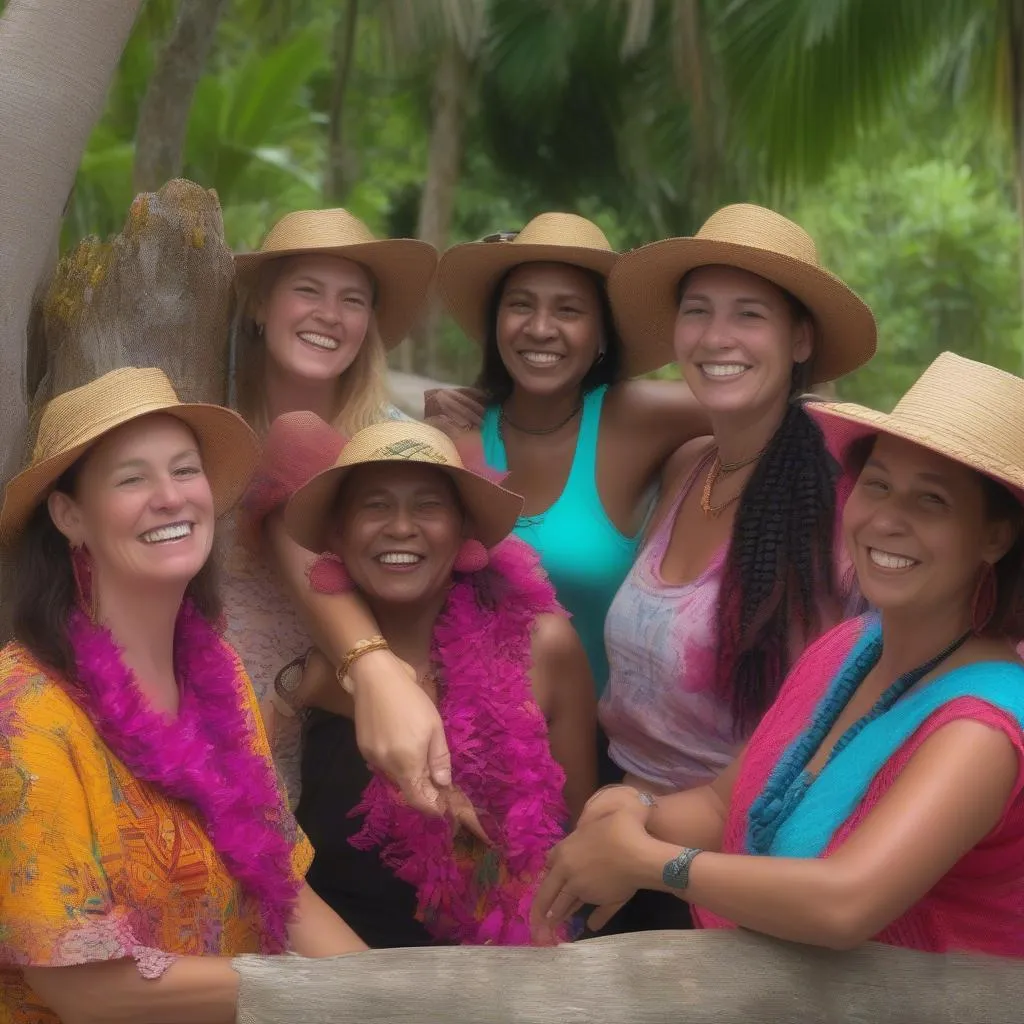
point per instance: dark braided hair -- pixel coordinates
(780, 563)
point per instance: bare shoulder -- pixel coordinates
(554, 640)
(683, 461)
(643, 402)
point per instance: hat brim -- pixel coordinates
(491, 509)
(229, 450)
(643, 291)
(843, 424)
(402, 268)
(468, 274)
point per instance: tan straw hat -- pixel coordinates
(492, 510)
(402, 268)
(468, 273)
(969, 412)
(643, 288)
(74, 421)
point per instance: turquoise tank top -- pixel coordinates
(583, 552)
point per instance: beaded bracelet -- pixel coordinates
(367, 646)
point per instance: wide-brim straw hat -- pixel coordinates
(967, 411)
(491, 509)
(74, 421)
(468, 273)
(643, 288)
(402, 268)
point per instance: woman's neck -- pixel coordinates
(741, 435)
(911, 637)
(539, 412)
(142, 626)
(409, 628)
(286, 393)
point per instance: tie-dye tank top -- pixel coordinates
(664, 721)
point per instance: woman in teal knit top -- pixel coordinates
(579, 441)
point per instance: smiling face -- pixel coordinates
(398, 530)
(315, 316)
(919, 529)
(142, 506)
(549, 326)
(736, 340)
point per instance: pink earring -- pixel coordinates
(327, 575)
(472, 557)
(81, 569)
(986, 593)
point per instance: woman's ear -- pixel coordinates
(803, 341)
(66, 516)
(1001, 536)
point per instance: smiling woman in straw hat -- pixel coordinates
(582, 444)
(882, 796)
(141, 814)
(738, 566)
(399, 519)
(319, 303)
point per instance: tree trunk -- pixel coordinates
(344, 45)
(163, 116)
(444, 162)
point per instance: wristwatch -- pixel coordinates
(676, 873)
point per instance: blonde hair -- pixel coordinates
(362, 394)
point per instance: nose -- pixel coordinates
(328, 311)
(541, 325)
(402, 524)
(167, 494)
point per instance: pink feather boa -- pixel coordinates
(501, 760)
(204, 756)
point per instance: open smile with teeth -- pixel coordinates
(723, 369)
(403, 558)
(541, 358)
(887, 560)
(320, 341)
(166, 534)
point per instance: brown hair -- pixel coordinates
(362, 394)
(44, 586)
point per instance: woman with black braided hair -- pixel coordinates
(739, 570)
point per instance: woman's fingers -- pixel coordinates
(602, 915)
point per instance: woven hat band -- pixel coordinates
(80, 415)
(742, 224)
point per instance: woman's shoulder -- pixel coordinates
(33, 694)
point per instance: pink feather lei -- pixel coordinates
(204, 756)
(501, 760)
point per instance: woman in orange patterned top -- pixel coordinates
(145, 838)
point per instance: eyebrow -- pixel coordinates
(743, 299)
(578, 296)
(307, 278)
(934, 478)
(141, 462)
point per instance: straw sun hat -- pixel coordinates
(969, 412)
(643, 288)
(492, 510)
(74, 421)
(402, 268)
(468, 273)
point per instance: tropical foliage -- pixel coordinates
(449, 119)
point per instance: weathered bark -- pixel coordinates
(335, 177)
(444, 163)
(163, 116)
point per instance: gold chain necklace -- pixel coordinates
(719, 468)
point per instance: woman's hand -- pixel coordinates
(401, 735)
(618, 796)
(597, 864)
(461, 408)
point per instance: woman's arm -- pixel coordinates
(660, 416)
(939, 808)
(398, 728)
(317, 931)
(564, 688)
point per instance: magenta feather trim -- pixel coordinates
(501, 759)
(205, 756)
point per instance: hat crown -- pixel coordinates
(975, 406)
(566, 229)
(83, 413)
(401, 441)
(760, 228)
(316, 229)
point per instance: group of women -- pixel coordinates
(778, 633)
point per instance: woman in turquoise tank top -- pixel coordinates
(583, 445)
